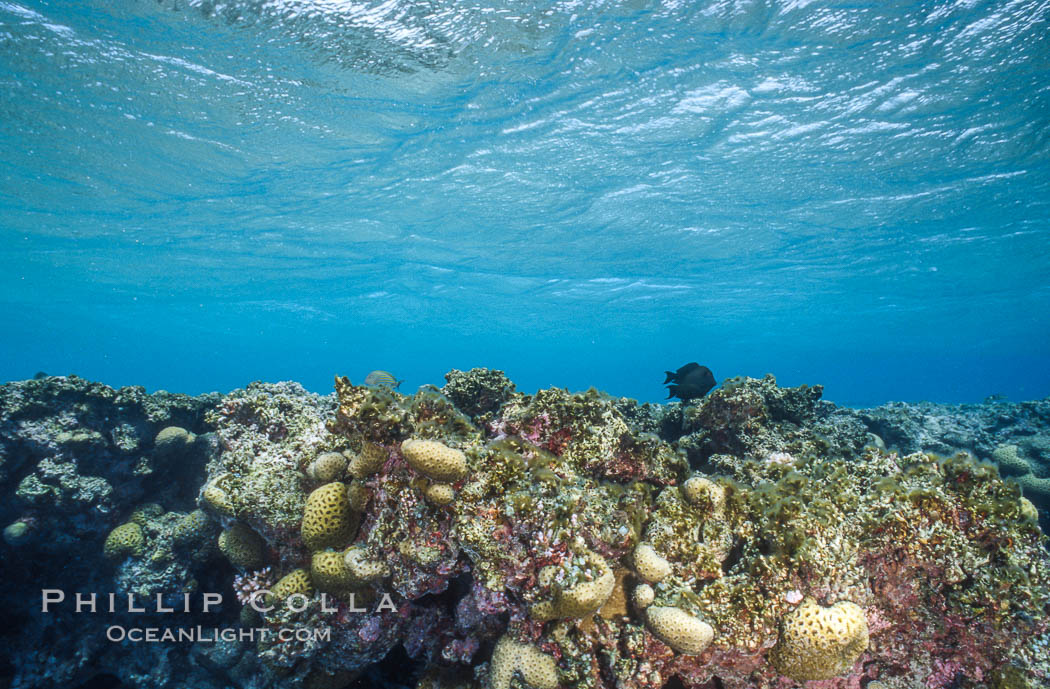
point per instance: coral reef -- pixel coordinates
(77, 460)
(477, 536)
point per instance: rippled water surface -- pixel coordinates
(197, 194)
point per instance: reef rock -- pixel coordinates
(757, 538)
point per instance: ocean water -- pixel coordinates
(194, 195)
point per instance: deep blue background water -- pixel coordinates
(580, 193)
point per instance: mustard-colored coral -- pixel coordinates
(643, 596)
(1010, 460)
(705, 493)
(329, 572)
(191, 528)
(649, 564)
(357, 495)
(678, 629)
(819, 642)
(216, 499)
(362, 568)
(537, 669)
(435, 460)
(242, 546)
(172, 439)
(145, 513)
(1029, 511)
(296, 581)
(368, 461)
(327, 517)
(439, 493)
(583, 598)
(126, 539)
(328, 467)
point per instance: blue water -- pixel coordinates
(195, 195)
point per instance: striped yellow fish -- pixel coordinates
(383, 378)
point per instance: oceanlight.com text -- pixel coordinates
(117, 634)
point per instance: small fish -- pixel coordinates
(383, 378)
(689, 382)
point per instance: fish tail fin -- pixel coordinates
(670, 376)
(672, 391)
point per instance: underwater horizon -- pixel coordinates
(197, 195)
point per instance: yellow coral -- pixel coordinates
(327, 517)
(616, 604)
(1010, 460)
(329, 572)
(191, 528)
(368, 461)
(1029, 511)
(126, 539)
(679, 630)
(296, 581)
(537, 669)
(643, 596)
(704, 492)
(357, 495)
(435, 460)
(216, 499)
(242, 546)
(172, 439)
(439, 493)
(16, 533)
(820, 643)
(328, 467)
(143, 514)
(581, 600)
(649, 564)
(1035, 486)
(363, 569)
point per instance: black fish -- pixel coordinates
(676, 376)
(691, 382)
